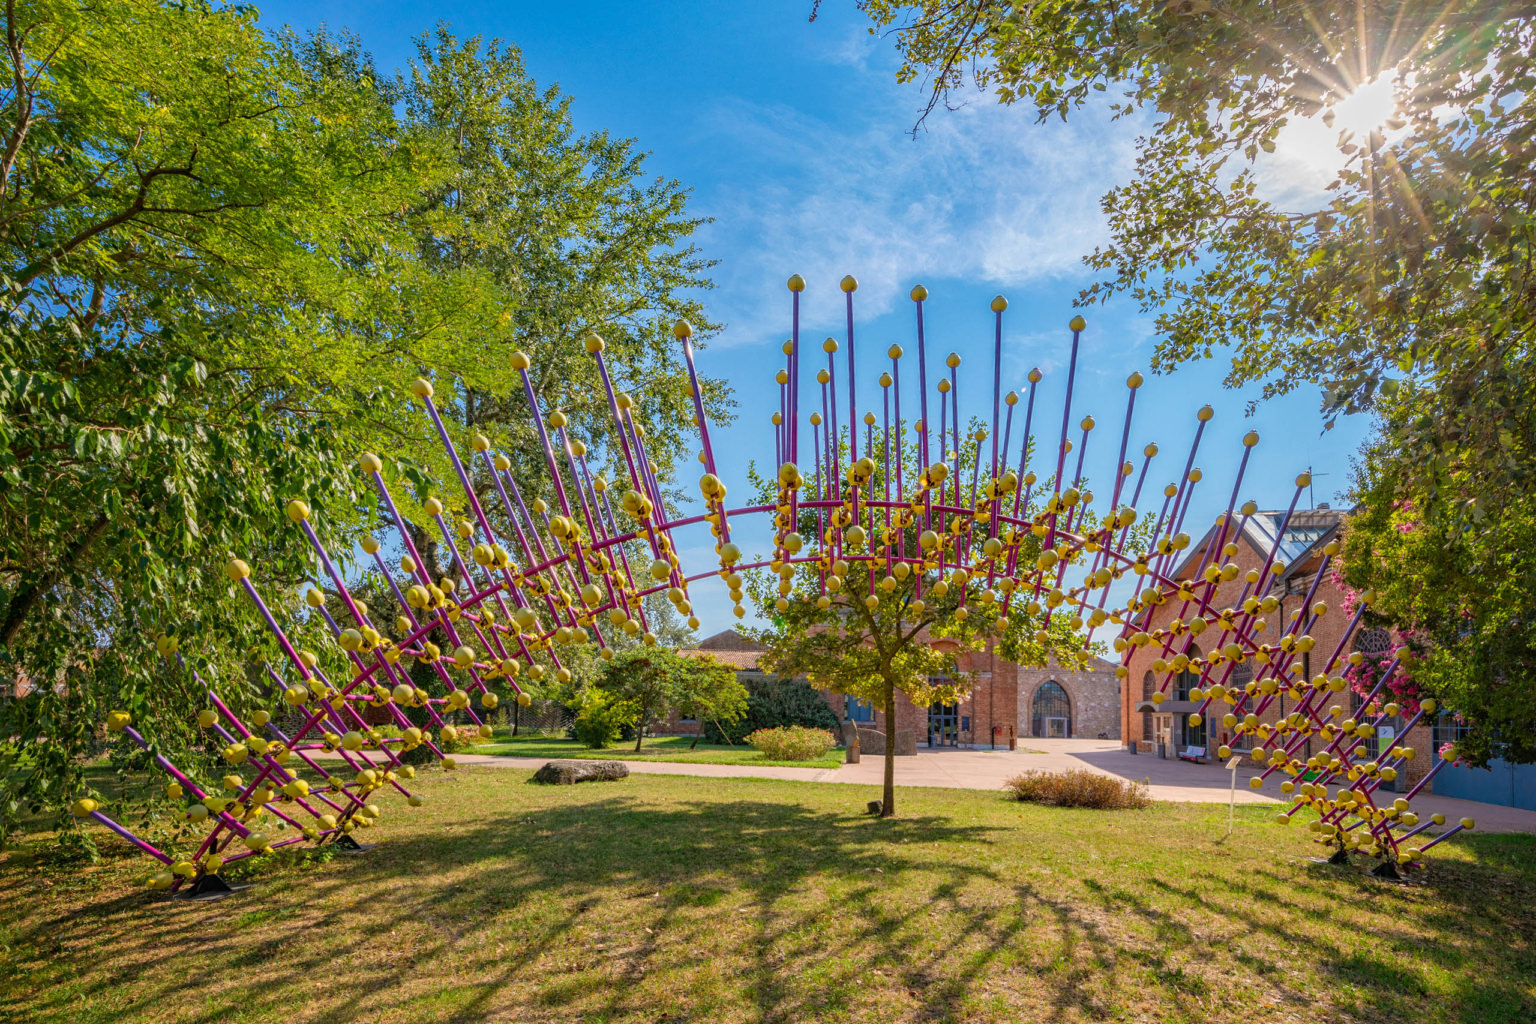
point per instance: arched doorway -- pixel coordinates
(1051, 711)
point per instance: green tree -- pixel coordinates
(1406, 289)
(651, 681)
(564, 235)
(871, 629)
(1462, 613)
(710, 692)
(225, 256)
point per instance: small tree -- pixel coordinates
(650, 679)
(904, 644)
(711, 692)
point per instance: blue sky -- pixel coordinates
(794, 137)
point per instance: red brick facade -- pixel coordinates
(1166, 730)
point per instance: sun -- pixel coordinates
(1309, 149)
(1367, 109)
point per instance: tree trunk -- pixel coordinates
(696, 736)
(517, 715)
(888, 805)
(640, 730)
(34, 590)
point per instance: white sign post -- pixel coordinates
(1232, 800)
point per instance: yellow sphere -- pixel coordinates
(1077, 323)
(796, 283)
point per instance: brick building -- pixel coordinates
(1057, 702)
(1163, 729)
(1006, 700)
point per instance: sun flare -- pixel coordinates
(1367, 109)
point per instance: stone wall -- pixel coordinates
(1094, 695)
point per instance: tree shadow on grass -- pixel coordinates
(621, 907)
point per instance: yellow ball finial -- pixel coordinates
(952, 360)
(919, 293)
(1205, 414)
(789, 347)
(370, 463)
(594, 343)
(1035, 375)
(1250, 439)
(829, 346)
(894, 351)
(682, 329)
(298, 510)
(236, 569)
(1134, 381)
(520, 361)
(849, 284)
(1303, 479)
(1077, 323)
(796, 283)
(999, 304)
(421, 388)
(1012, 398)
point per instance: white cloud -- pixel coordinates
(978, 195)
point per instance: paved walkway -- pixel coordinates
(986, 769)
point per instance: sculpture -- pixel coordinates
(562, 575)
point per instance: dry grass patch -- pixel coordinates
(1079, 788)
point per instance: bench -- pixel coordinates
(1192, 754)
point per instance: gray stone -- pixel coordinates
(569, 771)
(871, 741)
(906, 743)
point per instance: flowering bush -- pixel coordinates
(791, 743)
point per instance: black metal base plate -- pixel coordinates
(209, 888)
(347, 844)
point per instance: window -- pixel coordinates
(1147, 683)
(1051, 711)
(1187, 679)
(855, 710)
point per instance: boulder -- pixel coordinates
(871, 741)
(569, 771)
(906, 743)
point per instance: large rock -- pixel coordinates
(871, 741)
(569, 771)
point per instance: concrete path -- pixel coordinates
(1177, 781)
(641, 767)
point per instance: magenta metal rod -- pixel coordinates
(853, 409)
(164, 858)
(458, 467)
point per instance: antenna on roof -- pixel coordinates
(1311, 499)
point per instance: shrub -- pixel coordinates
(791, 743)
(772, 703)
(600, 717)
(1079, 788)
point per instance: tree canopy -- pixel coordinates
(225, 254)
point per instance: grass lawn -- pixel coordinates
(656, 748)
(663, 898)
